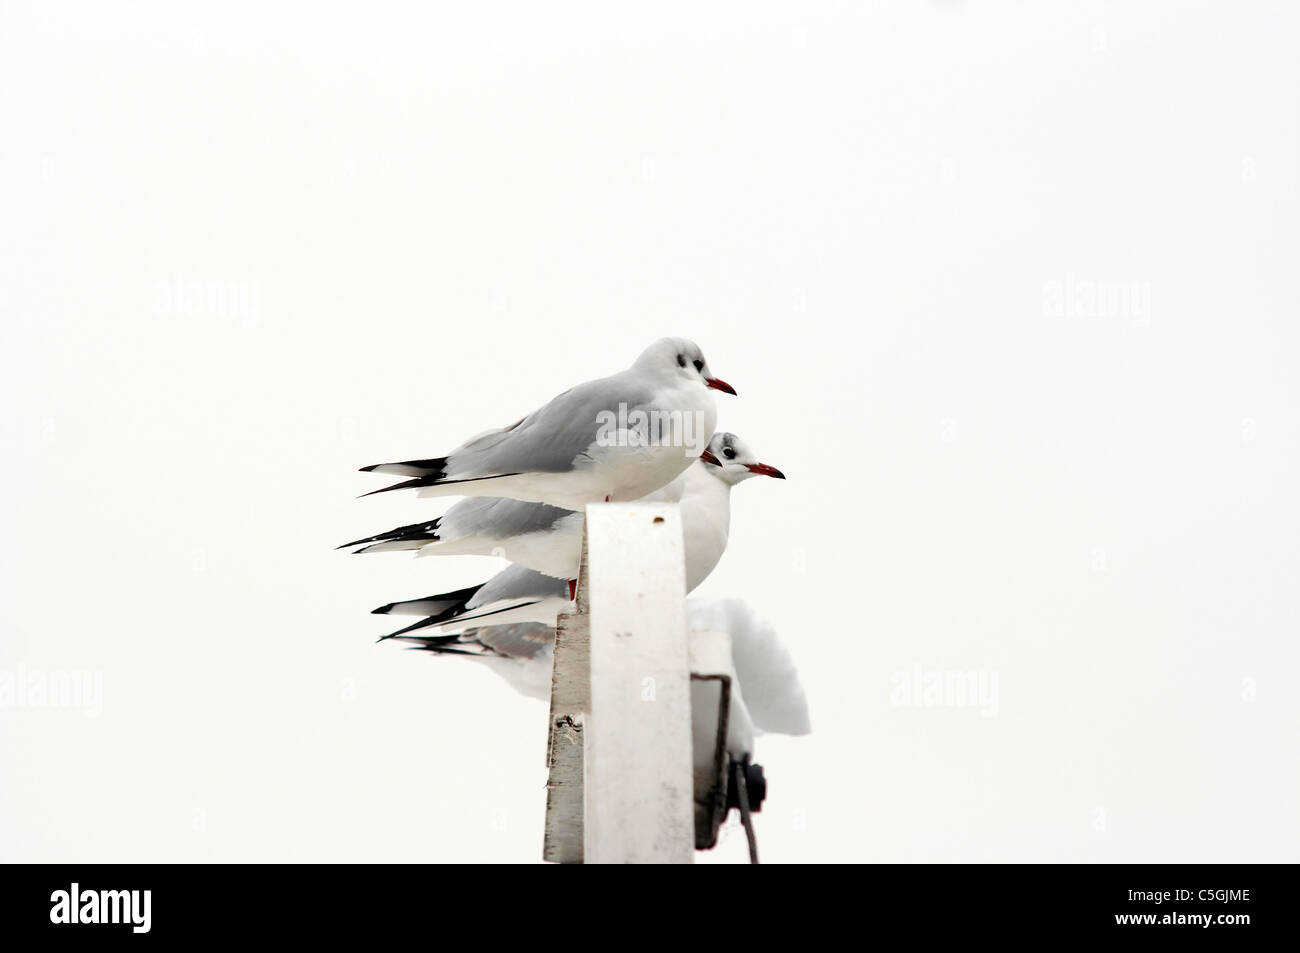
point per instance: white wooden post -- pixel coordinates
(570, 703)
(622, 786)
(639, 780)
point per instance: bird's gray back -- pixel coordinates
(499, 518)
(522, 640)
(552, 437)
(518, 582)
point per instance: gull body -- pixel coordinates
(616, 438)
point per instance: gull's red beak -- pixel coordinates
(765, 470)
(720, 385)
(708, 457)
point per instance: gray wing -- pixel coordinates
(518, 583)
(553, 437)
(523, 640)
(498, 518)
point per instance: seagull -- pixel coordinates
(767, 681)
(520, 593)
(616, 438)
(549, 538)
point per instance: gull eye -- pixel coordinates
(699, 365)
(729, 453)
(681, 360)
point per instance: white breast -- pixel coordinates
(706, 522)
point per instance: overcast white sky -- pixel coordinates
(247, 248)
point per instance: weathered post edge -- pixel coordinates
(570, 703)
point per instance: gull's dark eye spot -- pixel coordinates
(681, 360)
(699, 365)
(729, 453)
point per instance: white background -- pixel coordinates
(411, 222)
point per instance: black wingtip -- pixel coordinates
(436, 644)
(414, 626)
(421, 532)
(432, 467)
(404, 485)
(383, 610)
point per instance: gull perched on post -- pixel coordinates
(616, 438)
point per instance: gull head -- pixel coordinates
(680, 358)
(731, 461)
